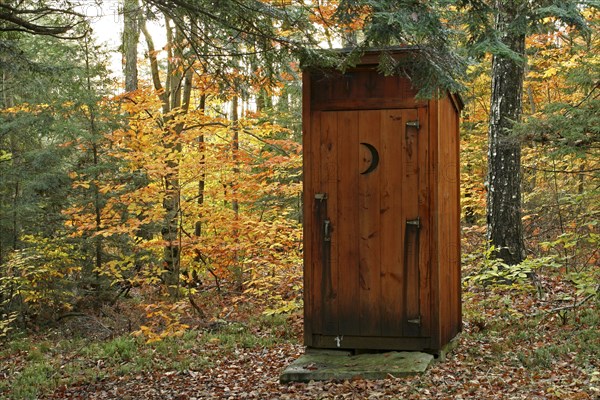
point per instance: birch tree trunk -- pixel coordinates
(504, 226)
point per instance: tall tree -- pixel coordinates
(500, 28)
(505, 229)
(131, 37)
(175, 97)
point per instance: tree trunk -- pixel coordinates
(238, 272)
(16, 162)
(504, 225)
(202, 180)
(15, 214)
(94, 134)
(176, 94)
(131, 36)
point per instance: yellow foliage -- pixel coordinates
(164, 321)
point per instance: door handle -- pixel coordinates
(327, 230)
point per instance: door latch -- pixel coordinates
(416, 321)
(320, 196)
(413, 124)
(414, 222)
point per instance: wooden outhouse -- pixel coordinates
(381, 212)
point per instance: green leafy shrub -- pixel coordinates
(39, 281)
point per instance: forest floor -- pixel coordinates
(513, 346)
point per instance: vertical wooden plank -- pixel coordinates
(451, 188)
(329, 261)
(444, 238)
(370, 236)
(392, 273)
(449, 238)
(457, 229)
(410, 205)
(347, 227)
(315, 285)
(307, 189)
(434, 205)
(425, 232)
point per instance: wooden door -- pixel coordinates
(369, 208)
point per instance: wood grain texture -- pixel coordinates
(392, 235)
(427, 247)
(347, 222)
(308, 132)
(369, 230)
(448, 227)
(314, 216)
(361, 89)
(329, 263)
(412, 237)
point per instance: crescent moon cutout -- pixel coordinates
(374, 158)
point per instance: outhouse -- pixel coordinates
(381, 212)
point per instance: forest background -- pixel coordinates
(153, 221)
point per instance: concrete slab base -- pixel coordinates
(321, 365)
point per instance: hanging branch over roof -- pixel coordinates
(41, 20)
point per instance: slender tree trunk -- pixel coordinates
(170, 58)
(177, 66)
(1, 238)
(7, 101)
(199, 258)
(176, 94)
(172, 201)
(202, 180)
(238, 272)
(16, 163)
(170, 235)
(263, 100)
(504, 225)
(98, 244)
(1, 245)
(581, 177)
(131, 36)
(235, 147)
(15, 215)
(164, 95)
